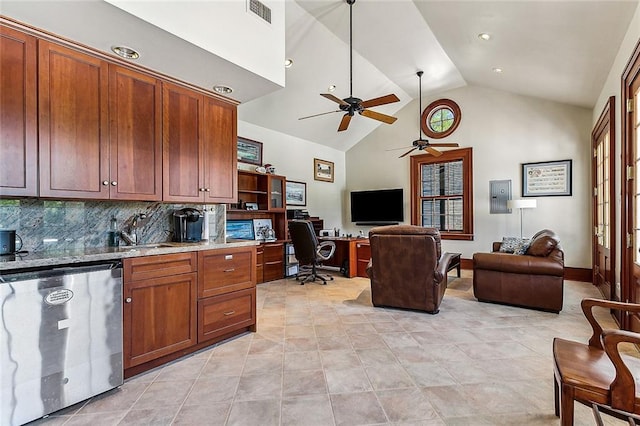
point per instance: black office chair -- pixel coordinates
(309, 252)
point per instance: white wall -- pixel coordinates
(225, 28)
(612, 87)
(505, 130)
(293, 158)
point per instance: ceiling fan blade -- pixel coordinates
(402, 147)
(382, 100)
(378, 116)
(317, 115)
(344, 123)
(433, 151)
(408, 152)
(334, 99)
(452, 145)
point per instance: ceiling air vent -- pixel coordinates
(260, 9)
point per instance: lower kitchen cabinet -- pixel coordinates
(221, 315)
(160, 308)
(178, 303)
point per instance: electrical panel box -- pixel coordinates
(500, 193)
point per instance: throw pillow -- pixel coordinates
(522, 247)
(542, 246)
(509, 244)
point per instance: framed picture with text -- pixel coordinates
(322, 170)
(249, 151)
(546, 179)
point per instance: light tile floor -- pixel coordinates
(324, 356)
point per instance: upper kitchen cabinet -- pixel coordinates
(100, 128)
(220, 147)
(135, 113)
(74, 123)
(18, 114)
(199, 147)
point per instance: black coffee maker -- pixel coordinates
(187, 225)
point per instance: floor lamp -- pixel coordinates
(521, 205)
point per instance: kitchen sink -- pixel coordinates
(146, 246)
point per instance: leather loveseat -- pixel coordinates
(533, 280)
(407, 268)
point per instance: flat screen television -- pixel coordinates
(377, 207)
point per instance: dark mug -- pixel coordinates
(8, 239)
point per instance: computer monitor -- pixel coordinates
(240, 229)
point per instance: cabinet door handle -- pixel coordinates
(114, 183)
(105, 182)
(128, 300)
(230, 270)
(207, 190)
(226, 314)
(201, 189)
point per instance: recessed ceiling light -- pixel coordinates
(223, 90)
(332, 88)
(484, 36)
(497, 70)
(125, 52)
(288, 62)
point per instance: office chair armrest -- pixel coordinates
(623, 387)
(322, 248)
(587, 305)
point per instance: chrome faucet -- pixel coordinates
(131, 237)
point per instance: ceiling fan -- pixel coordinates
(423, 144)
(351, 105)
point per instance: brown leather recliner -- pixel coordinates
(407, 269)
(533, 280)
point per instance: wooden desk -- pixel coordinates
(346, 254)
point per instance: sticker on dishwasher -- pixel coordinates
(59, 297)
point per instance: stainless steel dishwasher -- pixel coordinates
(61, 334)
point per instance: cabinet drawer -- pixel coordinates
(273, 252)
(273, 271)
(225, 270)
(147, 267)
(220, 315)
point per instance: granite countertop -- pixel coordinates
(10, 263)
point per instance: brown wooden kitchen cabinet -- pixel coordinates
(225, 270)
(135, 113)
(226, 291)
(100, 128)
(160, 294)
(199, 147)
(73, 123)
(18, 114)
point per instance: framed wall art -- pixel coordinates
(546, 179)
(249, 151)
(322, 170)
(296, 193)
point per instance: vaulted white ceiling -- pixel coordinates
(556, 50)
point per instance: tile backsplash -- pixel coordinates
(61, 225)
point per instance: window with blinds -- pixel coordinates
(442, 193)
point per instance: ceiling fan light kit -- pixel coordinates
(351, 105)
(423, 144)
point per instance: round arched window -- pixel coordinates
(440, 118)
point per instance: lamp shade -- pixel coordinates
(522, 204)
